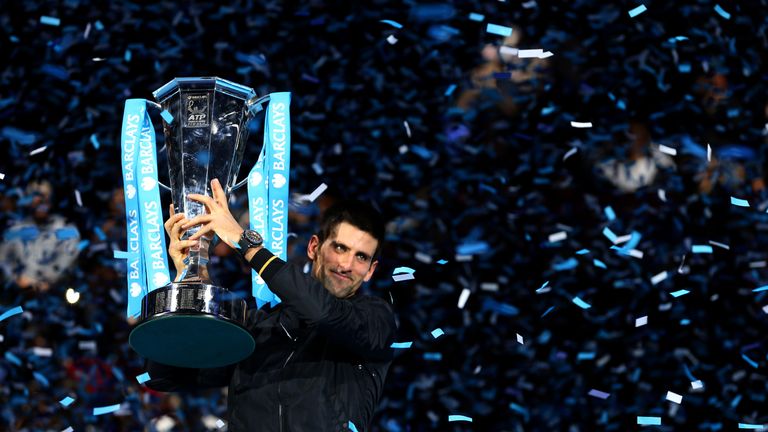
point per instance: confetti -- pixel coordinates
(581, 303)
(143, 378)
(401, 345)
(498, 30)
(463, 298)
(67, 401)
(220, 423)
(752, 426)
(720, 11)
(51, 21)
(679, 293)
(659, 278)
(637, 11)
(609, 213)
(105, 409)
(520, 339)
(674, 397)
(2, 176)
(558, 236)
(639, 322)
(391, 39)
(649, 421)
(455, 418)
(11, 312)
(38, 150)
(581, 124)
(570, 153)
(167, 116)
(739, 202)
(667, 150)
(702, 249)
(476, 16)
(394, 24)
(436, 333)
(402, 277)
(351, 426)
(695, 385)
(599, 394)
(543, 288)
(720, 245)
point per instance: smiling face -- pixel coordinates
(344, 260)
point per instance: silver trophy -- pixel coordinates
(193, 322)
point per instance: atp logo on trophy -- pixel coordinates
(196, 110)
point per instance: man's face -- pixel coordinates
(344, 260)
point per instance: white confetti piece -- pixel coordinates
(42, 351)
(69, 429)
(623, 239)
(667, 150)
(422, 257)
(581, 124)
(674, 397)
(639, 322)
(636, 253)
(38, 150)
(507, 50)
(402, 277)
(489, 286)
(720, 245)
(765, 309)
(570, 153)
(530, 53)
(2, 176)
(662, 195)
(558, 236)
(697, 384)
(78, 198)
(391, 39)
(658, 278)
(709, 153)
(407, 129)
(520, 339)
(220, 423)
(463, 298)
(87, 345)
(317, 192)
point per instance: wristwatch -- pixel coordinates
(249, 239)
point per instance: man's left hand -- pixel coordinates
(218, 220)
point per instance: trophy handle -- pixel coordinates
(254, 107)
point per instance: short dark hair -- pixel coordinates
(359, 214)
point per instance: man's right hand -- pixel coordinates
(178, 249)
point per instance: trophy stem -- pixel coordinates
(197, 263)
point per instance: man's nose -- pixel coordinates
(345, 262)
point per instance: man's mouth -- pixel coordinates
(340, 276)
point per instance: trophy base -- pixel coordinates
(192, 325)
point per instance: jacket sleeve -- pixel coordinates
(177, 379)
(365, 326)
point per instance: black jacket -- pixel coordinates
(320, 362)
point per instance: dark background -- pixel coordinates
(486, 168)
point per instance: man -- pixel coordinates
(322, 355)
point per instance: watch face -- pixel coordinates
(253, 237)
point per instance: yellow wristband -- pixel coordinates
(266, 264)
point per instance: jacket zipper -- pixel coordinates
(279, 382)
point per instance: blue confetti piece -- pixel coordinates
(433, 356)
(586, 356)
(749, 360)
(582, 252)
(547, 110)
(41, 379)
(442, 262)
(120, 254)
(99, 26)
(751, 426)
(685, 321)
(11, 312)
(610, 235)
(739, 202)
(450, 89)
(95, 141)
(401, 345)
(67, 401)
(609, 213)
(351, 426)
(407, 270)
(166, 116)
(476, 16)
(566, 265)
(720, 11)
(517, 408)
(143, 378)
(548, 311)
(761, 289)
(498, 30)
(66, 233)
(472, 248)
(544, 285)
(455, 417)
(581, 303)
(436, 333)
(394, 24)
(12, 358)
(684, 67)
(679, 293)
(51, 21)
(99, 233)
(705, 249)
(599, 263)
(637, 11)
(106, 409)
(127, 56)
(649, 420)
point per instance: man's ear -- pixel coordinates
(370, 271)
(312, 247)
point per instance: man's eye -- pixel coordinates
(362, 258)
